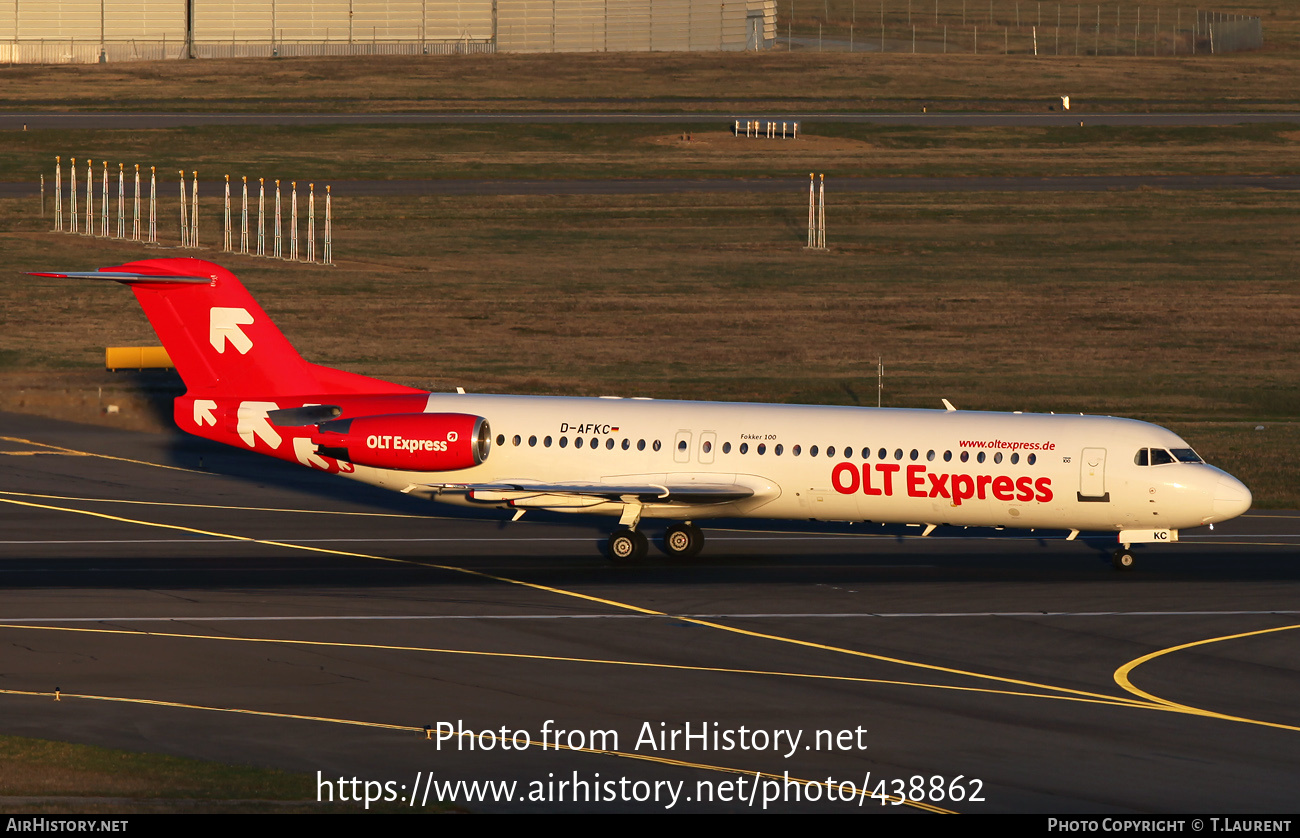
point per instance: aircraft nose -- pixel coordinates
(1231, 498)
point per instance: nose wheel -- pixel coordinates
(683, 541)
(1122, 558)
(626, 546)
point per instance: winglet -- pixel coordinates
(947, 405)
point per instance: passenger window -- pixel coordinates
(595, 443)
(640, 445)
(1033, 458)
(830, 451)
(627, 443)
(547, 442)
(657, 445)
(898, 454)
(796, 450)
(501, 440)
(778, 450)
(726, 448)
(577, 442)
(866, 453)
(762, 448)
(947, 456)
(883, 453)
(965, 456)
(532, 441)
(914, 454)
(516, 440)
(708, 446)
(681, 445)
(929, 455)
(564, 442)
(744, 447)
(979, 458)
(609, 443)
(1015, 458)
(812, 452)
(997, 458)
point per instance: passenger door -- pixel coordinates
(1092, 476)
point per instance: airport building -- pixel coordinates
(88, 31)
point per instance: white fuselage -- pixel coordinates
(840, 463)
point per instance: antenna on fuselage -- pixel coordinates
(880, 379)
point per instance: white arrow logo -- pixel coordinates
(203, 412)
(224, 326)
(305, 450)
(252, 422)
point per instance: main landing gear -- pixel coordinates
(627, 546)
(681, 541)
(1122, 558)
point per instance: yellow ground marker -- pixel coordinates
(1122, 678)
(588, 598)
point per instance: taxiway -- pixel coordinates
(193, 600)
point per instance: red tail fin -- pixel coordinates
(221, 341)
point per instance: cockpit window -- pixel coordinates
(1160, 457)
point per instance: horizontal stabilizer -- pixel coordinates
(121, 276)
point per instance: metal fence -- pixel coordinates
(999, 27)
(1236, 33)
(72, 51)
(299, 49)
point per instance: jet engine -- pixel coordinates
(407, 441)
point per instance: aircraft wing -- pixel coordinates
(642, 492)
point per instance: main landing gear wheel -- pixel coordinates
(683, 541)
(1122, 558)
(627, 546)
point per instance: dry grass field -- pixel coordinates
(38, 777)
(1180, 308)
(323, 154)
(761, 83)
